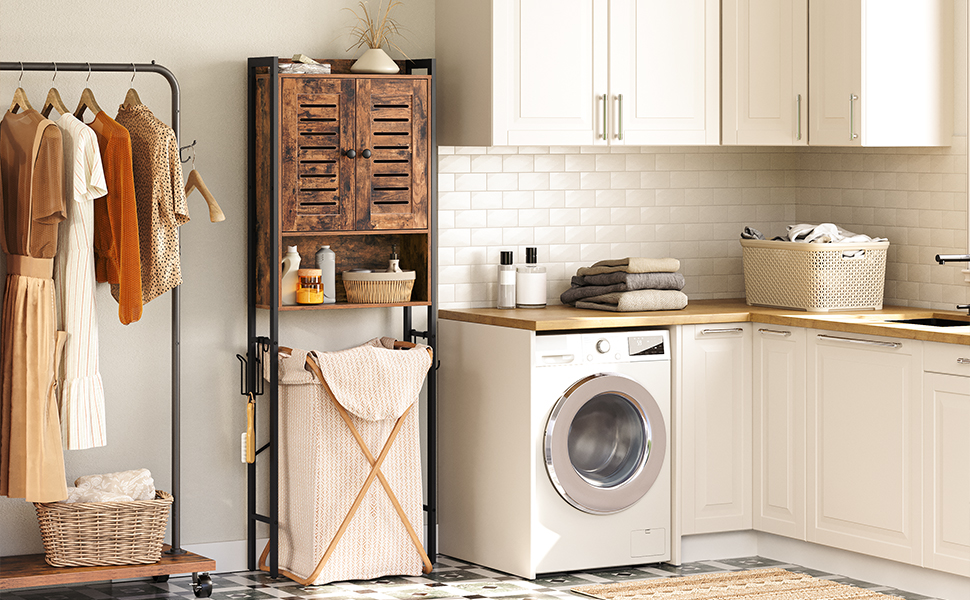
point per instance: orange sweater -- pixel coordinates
(117, 256)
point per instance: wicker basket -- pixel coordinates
(84, 534)
(814, 277)
(378, 288)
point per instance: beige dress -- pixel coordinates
(31, 191)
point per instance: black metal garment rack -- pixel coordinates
(262, 349)
(177, 560)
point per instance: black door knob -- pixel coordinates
(365, 153)
(350, 153)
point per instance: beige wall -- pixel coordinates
(205, 43)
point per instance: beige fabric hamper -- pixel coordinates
(322, 469)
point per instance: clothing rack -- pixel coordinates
(32, 571)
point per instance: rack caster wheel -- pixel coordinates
(202, 585)
(159, 578)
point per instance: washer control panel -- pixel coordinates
(602, 347)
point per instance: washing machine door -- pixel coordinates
(605, 442)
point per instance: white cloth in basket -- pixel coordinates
(322, 469)
(136, 484)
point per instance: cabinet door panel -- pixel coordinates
(316, 180)
(392, 184)
(664, 61)
(835, 56)
(946, 468)
(549, 72)
(765, 71)
(864, 447)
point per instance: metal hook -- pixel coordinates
(134, 71)
(21, 72)
(192, 158)
(55, 74)
(89, 73)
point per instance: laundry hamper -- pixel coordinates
(337, 519)
(814, 277)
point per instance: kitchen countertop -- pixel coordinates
(867, 322)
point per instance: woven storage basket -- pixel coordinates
(365, 288)
(814, 277)
(84, 534)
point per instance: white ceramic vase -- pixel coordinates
(375, 60)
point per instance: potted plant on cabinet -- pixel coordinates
(375, 31)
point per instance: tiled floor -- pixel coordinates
(449, 579)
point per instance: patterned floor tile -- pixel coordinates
(751, 562)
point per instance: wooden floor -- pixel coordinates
(31, 570)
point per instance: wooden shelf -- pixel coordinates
(30, 570)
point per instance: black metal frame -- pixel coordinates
(133, 68)
(258, 347)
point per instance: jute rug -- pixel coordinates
(757, 584)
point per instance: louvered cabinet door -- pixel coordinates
(392, 183)
(316, 178)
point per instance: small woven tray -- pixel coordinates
(84, 534)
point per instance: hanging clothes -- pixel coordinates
(117, 258)
(160, 198)
(81, 390)
(31, 193)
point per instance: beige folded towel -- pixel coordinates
(637, 300)
(632, 265)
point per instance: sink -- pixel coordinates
(933, 322)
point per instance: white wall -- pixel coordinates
(206, 44)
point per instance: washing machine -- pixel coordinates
(555, 461)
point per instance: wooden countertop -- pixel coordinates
(868, 322)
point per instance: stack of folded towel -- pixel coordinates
(628, 285)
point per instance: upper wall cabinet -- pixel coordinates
(838, 72)
(578, 72)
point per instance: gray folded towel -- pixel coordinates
(632, 265)
(587, 286)
(637, 300)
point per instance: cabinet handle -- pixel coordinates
(725, 330)
(775, 332)
(798, 109)
(852, 134)
(350, 153)
(619, 117)
(604, 117)
(963, 361)
(366, 153)
(822, 336)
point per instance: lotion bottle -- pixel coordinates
(394, 265)
(290, 279)
(327, 263)
(530, 282)
(506, 281)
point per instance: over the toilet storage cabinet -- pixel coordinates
(354, 169)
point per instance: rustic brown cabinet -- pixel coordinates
(345, 162)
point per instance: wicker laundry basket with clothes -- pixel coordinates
(342, 518)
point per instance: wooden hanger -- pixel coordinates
(54, 101)
(87, 101)
(131, 98)
(194, 182)
(20, 101)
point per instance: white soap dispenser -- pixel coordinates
(394, 266)
(530, 283)
(290, 279)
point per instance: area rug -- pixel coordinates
(756, 584)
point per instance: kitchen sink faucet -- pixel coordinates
(945, 258)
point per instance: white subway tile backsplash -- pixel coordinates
(583, 204)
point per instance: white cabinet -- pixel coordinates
(765, 72)
(864, 444)
(875, 60)
(870, 62)
(946, 458)
(716, 462)
(779, 430)
(578, 72)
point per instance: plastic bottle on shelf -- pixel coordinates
(290, 280)
(506, 281)
(530, 282)
(327, 263)
(394, 265)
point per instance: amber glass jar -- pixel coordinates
(311, 287)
